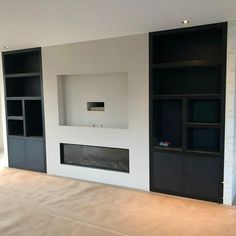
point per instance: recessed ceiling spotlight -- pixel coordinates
(185, 22)
(6, 47)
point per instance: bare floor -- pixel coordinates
(33, 204)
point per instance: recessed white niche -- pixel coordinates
(93, 100)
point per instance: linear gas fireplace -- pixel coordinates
(96, 157)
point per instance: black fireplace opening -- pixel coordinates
(107, 158)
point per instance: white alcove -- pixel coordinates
(93, 100)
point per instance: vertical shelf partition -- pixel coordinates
(187, 103)
(24, 109)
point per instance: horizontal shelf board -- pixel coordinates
(24, 98)
(22, 75)
(186, 152)
(25, 137)
(203, 125)
(16, 135)
(190, 63)
(203, 152)
(34, 137)
(15, 117)
(167, 149)
(187, 96)
(28, 50)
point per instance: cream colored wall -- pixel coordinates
(124, 54)
(230, 118)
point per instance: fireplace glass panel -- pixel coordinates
(96, 157)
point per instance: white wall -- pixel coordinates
(75, 91)
(124, 54)
(230, 114)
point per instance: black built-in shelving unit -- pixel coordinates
(24, 109)
(187, 109)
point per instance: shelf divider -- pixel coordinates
(17, 75)
(15, 118)
(203, 125)
(187, 96)
(24, 98)
(189, 63)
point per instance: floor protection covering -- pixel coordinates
(33, 204)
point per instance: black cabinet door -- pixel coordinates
(28, 154)
(187, 175)
(35, 154)
(167, 173)
(202, 178)
(16, 153)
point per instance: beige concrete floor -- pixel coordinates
(33, 204)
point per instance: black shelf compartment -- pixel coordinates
(23, 86)
(188, 67)
(167, 129)
(14, 108)
(204, 111)
(15, 127)
(191, 80)
(202, 44)
(22, 62)
(203, 140)
(24, 103)
(33, 118)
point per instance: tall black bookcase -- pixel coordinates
(24, 109)
(187, 111)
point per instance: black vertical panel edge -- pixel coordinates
(5, 100)
(150, 110)
(223, 96)
(42, 104)
(24, 118)
(184, 127)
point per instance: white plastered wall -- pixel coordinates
(124, 54)
(230, 118)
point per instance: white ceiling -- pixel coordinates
(29, 23)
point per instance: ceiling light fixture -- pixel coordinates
(6, 47)
(185, 22)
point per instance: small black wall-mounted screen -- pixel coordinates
(95, 106)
